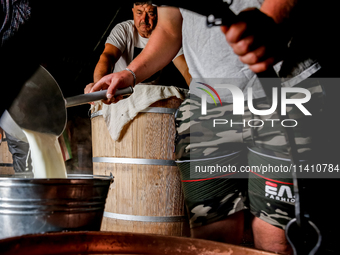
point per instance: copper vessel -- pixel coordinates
(95, 242)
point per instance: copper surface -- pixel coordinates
(116, 243)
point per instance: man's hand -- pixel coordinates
(257, 39)
(88, 89)
(112, 82)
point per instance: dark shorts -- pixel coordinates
(200, 147)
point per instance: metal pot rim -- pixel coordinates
(71, 177)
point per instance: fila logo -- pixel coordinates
(279, 192)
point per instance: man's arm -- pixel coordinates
(279, 10)
(106, 62)
(250, 45)
(162, 47)
(105, 65)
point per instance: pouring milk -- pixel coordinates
(47, 158)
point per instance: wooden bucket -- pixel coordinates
(6, 160)
(147, 195)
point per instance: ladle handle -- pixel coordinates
(94, 96)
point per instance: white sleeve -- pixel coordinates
(118, 36)
(180, 52)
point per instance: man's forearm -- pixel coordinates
(279, 10)
(103, 68)
(162, 47)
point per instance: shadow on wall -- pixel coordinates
(78, 130)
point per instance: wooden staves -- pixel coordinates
(146, 196)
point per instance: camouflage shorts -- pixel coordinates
(269, 196)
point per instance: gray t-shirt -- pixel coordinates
(210, 58)
(126, 38)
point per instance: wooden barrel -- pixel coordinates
(6, 160)
(147, 196)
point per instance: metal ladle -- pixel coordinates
(41, 107)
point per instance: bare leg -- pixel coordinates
(270, 238)
(229, 230)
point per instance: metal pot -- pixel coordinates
(30, 206)
(117, 243)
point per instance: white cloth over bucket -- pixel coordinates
(117, 115)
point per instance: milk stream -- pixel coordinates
(47, 158)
